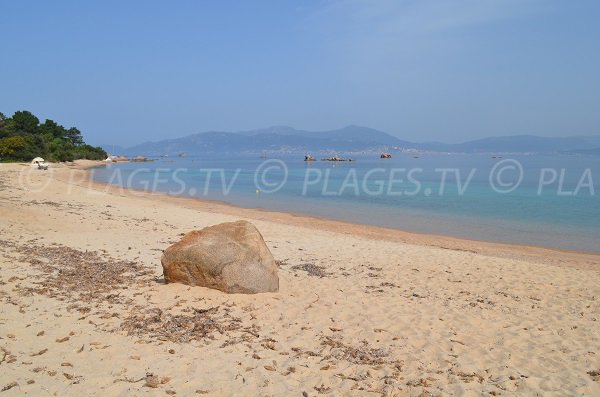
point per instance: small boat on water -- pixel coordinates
(334, 158)
(309, 157)
(385, 156)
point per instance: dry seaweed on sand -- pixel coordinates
(9, 386)
(83, 276)
(180, 328)
(361, 354)
(312, 270)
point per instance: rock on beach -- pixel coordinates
(231, 257)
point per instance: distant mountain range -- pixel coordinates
(348, 139)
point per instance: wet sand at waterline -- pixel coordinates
(360, 311)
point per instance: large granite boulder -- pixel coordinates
(231, 257)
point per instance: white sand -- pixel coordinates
(439, 316)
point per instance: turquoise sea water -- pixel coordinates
(550, 201)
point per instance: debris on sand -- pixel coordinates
(362, 354)
(322, 389)
(86, 278)
(312, 270)
(39, 353)
(10, 386)
(7, 357)
(154, 381)
(180, 328)
(79, 276)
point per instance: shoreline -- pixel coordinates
(484, 247)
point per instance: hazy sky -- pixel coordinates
(449, 70)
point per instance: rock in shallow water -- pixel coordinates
(231, 257)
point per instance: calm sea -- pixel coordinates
(550, 201)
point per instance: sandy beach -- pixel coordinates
(361, 310)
